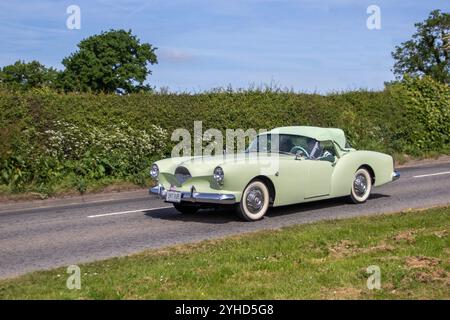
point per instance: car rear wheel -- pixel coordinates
(361, 186)
(186, 209)
(255, 201)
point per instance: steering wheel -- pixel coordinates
(297, 149)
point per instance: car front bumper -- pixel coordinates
(196, 197)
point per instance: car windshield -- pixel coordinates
(280, 143)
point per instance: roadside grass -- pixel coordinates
(323, 260)
(67, 189)
(402, 159)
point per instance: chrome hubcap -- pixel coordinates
(255, 200)
(360, 185)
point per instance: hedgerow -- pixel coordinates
(50, 138)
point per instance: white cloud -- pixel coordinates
(174, 55)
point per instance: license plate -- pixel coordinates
(173, 196)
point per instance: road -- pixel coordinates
(42, 238)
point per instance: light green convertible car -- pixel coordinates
(280, 167)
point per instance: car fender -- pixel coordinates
(381, 164)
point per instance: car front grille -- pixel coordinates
(182, 174)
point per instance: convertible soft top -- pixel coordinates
(318, 133)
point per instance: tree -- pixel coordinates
(25, 76)
(113, 61)
(427, 53)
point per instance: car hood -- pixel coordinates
(202, 166)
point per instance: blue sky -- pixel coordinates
(306, 45)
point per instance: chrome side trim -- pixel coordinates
(395, 175)
(197, 197)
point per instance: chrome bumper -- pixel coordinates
(196, 197)
(395, 175)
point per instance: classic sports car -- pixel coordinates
(280, 167)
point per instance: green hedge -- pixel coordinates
(410, 117)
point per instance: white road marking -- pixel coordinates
(432, 174)
(125, 212)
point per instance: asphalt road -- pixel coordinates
(43, 238)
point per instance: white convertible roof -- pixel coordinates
(318, 133)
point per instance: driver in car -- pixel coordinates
(316, 152)
(313, 148)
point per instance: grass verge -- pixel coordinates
(104, 186)
(326, 260)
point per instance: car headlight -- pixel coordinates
(154, 171)
(218, 175)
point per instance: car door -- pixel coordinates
(319, 178)
(291, 180)
(320, 171)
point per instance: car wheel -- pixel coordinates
(186, 209)
(361, 186)
(255, 201)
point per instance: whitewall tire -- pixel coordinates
(255, 201)
(361, 186)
